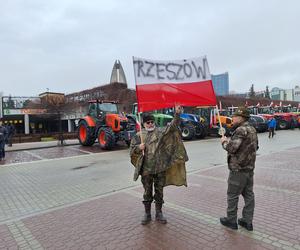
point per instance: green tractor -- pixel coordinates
(161, 120)
(103, 122)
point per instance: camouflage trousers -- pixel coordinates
(240, 183)
(159, 182)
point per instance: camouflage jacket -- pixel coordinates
(164, 149)
(241, 148)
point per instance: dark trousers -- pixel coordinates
(240, 183)
(2, 150)
(159, 181)
(9, 140)
(271, 132)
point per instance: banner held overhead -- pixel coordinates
(162, 84)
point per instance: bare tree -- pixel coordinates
(54, 102)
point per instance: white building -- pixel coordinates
(282, 94)
(297, 94)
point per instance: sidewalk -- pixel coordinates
(112, 221)
(38, 145)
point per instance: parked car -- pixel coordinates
(259, 123)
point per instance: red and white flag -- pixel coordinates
(271, 104)
(162, 84)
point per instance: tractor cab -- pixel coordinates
(99, 108)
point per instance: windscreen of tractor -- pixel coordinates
(108, 108)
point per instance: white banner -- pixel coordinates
(175, 71)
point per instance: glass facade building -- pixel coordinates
(221, 84)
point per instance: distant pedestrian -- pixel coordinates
(241, 149)
(160, 160)
(271, 127)
(3, 135)
(10, 133)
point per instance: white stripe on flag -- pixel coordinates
(175, 71)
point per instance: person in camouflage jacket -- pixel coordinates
(241, 155)
(160, 160)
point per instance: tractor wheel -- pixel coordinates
(85, 134)
(188, 132)
(282, 124)
(106, 138)
(202, 132)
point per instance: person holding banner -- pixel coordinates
(241, 149)
(159, 157)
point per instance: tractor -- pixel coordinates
(191, 125)
(161, 119)
(103, 122)
(212, 120)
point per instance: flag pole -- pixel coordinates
(141, 134)
(219, 118)
(139, 113)
(140, 119)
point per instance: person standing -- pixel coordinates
(3, 135)
(158, 157)
(11, 131)
(241, 150)
(271, 126)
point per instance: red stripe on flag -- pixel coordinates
(165, 95)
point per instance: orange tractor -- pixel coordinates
(103, 122)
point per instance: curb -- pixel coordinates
(40, 147)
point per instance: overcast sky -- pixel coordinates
(71, 45)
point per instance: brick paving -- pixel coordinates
(112, 221)
(7, 240)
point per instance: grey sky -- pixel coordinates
(71, 45)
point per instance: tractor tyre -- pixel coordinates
(106, 138)
(188, 132)
(202, 133)
(86, 134)
(282, 124)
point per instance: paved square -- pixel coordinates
(112, 221)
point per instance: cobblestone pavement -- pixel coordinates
(28, 155)
(60, 212)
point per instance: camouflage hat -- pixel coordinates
(147, 117)
(243, 112)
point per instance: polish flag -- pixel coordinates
(162, 84)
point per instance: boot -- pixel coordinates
(243, 223)
(147, 216)
(225, 222)
(159, 215)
